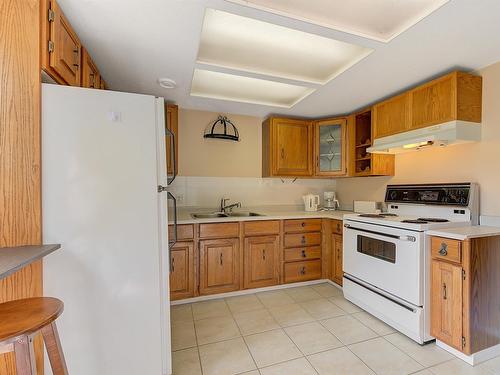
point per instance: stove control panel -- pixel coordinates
(440, 194)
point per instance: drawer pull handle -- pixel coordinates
(304, 254)
(220, 258)
(263, 254)
(443, 250)
(303, 224)
(303, 240)
(303, 270)
(444, 292)
(282, 153)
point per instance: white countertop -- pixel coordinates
(464, 233)
(277, 212)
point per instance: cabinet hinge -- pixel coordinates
(51, 16)
(51, 46)
(463, 274)
(463, 342)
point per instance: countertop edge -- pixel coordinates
(315, 215)
(465, 233)
(34, 253)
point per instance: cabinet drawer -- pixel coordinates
(302, 239)
(306, 225)
(337, 226)
(184, 232)
(257, 228)
(219, 230)
(446, 249)
(302, 271)
(302, 253)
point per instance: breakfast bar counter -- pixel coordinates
(12, 259)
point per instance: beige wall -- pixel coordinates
(218, 158)
(476, 162)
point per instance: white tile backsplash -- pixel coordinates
(250, 191)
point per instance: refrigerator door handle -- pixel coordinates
(171, 134)
(172, 242)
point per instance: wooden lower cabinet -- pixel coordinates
(182, 270)
(446, 305)
(465, 300)
(337, 272)
(261, 261)
(219, 266)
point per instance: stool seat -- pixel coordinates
(26, 316)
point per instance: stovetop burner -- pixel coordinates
(379, 216)
(433, 219)
(425, 220)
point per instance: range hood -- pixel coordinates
(448, 133)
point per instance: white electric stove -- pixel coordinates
(387, 256)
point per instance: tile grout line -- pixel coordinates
(243, 337)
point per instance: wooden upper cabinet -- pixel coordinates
(391, 116)
(172, 119)
(456, 96)
(219, 266)
(330, 147)
(261, 261)
(287, 147)
(90, 74)
(446, 303)
(61, 49)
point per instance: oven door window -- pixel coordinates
(376, 248)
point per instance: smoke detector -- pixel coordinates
(167, 83)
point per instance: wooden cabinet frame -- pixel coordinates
(342, 121)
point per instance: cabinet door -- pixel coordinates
(219, 266)
(330, 147)
(261, 261)
(66, 51)
(172, 124)
(182, 270)
(434, 103)
(391, 116)
(90, 73)
(337, 259)
(292, 147)
(446, 303)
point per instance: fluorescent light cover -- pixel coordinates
(236, 88)
(380, 20)
(250, 45)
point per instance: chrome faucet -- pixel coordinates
(225, 208)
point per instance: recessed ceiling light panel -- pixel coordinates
(246, 44)
(380, 20)
(237, 88)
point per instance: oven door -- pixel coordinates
(388, 258)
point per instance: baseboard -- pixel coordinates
(473, 359)
(250, 291)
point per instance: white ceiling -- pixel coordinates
(136, 42)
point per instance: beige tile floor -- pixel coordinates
(308, 330)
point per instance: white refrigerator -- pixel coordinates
(103, 161)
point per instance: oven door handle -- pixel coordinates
(402, 238)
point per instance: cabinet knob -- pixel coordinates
(443, 250)
(282, 153)
(303, 224)
(220, 259)
(303, 270)
(304, 254)
(263, 254)
(303, 240)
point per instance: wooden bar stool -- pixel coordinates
(20, 321)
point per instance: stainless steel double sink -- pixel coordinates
(214, 215)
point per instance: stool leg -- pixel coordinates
(25, 356)
(54, 349)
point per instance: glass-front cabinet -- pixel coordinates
(330, 147)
